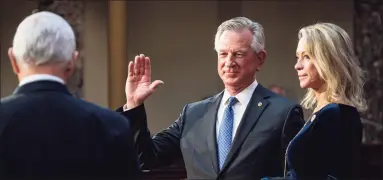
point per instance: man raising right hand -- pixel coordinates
(240, 133)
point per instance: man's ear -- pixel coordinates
(71, 66)
(14, 64)
(75, 56)
(261, 58)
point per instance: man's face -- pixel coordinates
(237, 61)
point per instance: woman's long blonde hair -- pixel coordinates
(336, 64)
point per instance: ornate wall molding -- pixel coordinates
(368, 29)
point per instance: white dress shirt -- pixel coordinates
(239, 108)
(40, 77)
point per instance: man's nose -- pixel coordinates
(229, 60)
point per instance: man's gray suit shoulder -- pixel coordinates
(199, 105)
(196, 110)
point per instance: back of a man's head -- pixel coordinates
(43, 40)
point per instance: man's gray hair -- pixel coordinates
(44, 38)
(241, 23)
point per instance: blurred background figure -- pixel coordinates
(278, 90)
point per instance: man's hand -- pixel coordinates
(138, 85)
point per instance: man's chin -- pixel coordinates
(231, 81)
(231, 77)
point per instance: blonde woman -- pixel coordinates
(327, 147)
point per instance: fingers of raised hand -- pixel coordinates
(138, 66)
(147, 67)
(131, 69)
(142, 64)
(136, 70)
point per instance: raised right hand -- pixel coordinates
(138, 85)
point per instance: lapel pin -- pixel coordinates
(259, 104)
(312, 118)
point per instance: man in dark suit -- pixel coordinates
(240, 133)
(45, 132)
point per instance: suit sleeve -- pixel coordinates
(162, 148)
(293, 124)
(122, 157)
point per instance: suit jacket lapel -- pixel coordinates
(210, 119)
(253, 111)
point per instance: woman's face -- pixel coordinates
(307, 72)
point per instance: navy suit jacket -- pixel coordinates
(45, 132)
(267, 126)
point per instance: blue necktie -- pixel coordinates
(226, 132)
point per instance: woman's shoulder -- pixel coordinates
(336, 110)
(336, 113)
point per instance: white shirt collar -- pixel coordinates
(243, 97)
(40, 77)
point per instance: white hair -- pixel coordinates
(241, 23)
(44, 38)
